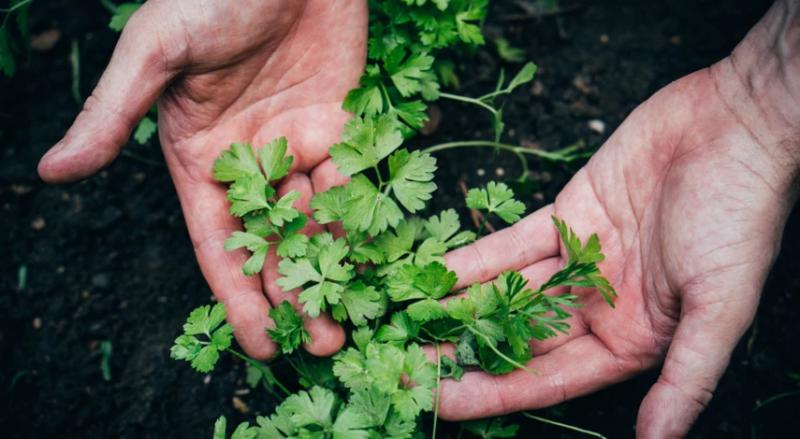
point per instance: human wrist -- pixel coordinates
(760, 84)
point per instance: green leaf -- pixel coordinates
(411, 175)
(7, 64)
(283, 212)
(329, 206)
(273, 159)
(206, 321)
(401, 329)
(362, 302)
(451, 369)
(235, 162)
(314, 407)
(368, 209)
(249, 193)
(122, 14)
(408, 74)
(145, 130)
(288, 332)
(524, 76)
(365, 142)
(293, 245)
(426, 310)
(412, 113)
(257, 245)
(496, 198)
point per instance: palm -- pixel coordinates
(681, 246)
(227, 72)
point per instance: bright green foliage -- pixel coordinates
(204, 337)
(322, 273)
(581, 269)
(496, 198)
(121, 13)
(404, 38)
(365, 142)
(145, 130)
(288, 332)
(268, 219)
(385, 277)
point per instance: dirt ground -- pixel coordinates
(109, 259)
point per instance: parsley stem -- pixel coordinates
(474, 101)
(493, 94)
(438, 389)
(491, 346)
(562, 155)
(15, 7)
(264, 371)
(562, 425)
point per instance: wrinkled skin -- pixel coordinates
(228, 72)
(689, 197)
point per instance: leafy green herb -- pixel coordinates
(288, 332)
(204, 336)
(496, 198)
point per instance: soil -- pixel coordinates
(109, 259)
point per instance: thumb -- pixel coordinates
(697, 358)
(135, 76)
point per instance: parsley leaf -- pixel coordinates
(273, 159)
(365, 142)
(256, 244)
(288, 332)
(496, 198)
(203, 354)
(411, 175)
(236, 162)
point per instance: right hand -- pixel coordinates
(224, 72)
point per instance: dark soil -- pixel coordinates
(109, 259)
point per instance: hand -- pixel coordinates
(689, 197)
(224, 72)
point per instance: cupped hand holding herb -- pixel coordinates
(249, 71)
(689, 197)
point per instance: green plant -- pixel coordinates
(383, 279)
(14, 40)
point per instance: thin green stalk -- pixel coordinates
(555, 156)
(513, 362)
(260, 367)
(562, 425)
(473, 101)
(438, 389)
(777, 397)
(111, 7)
(17, 6)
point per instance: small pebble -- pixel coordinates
(240, 405)
(206, 379)
(60, 269)
(676, 40)
(242, 392)
(20, 189)
(38, 223)
(537, 89)
(37, 323)
(597, 125)
(101, 280)
(44, 41)
(499, 172)
(480, 172)
(604, 38)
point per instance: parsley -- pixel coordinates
(496, 198)
(203, 352)
(384, 278)
(288, 332)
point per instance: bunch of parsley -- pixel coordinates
(384, 278)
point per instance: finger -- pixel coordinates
(526, 242)
(698, 355)
(134, 78)
(557, 377)
(205, 209)
(327, 336)
(324, 177)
